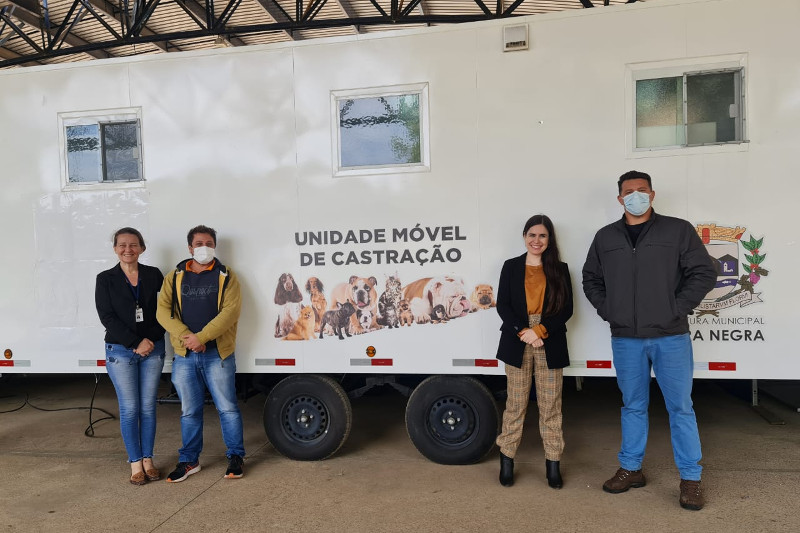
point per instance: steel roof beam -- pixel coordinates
(198, 14)
(348, 11)
(314, 7)
(18, 31)
(379, 8)
(277, 13)
(8, 54)
(102, 7)
(483, 7)
(257, 28)
(138, 23)
(512, 7)
(201, 10)
(23, 12)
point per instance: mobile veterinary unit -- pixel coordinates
(367, 189)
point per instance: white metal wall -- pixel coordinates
(240, 139)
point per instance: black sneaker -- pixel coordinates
(234, 470)
(182, 471)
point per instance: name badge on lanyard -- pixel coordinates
(135, 292)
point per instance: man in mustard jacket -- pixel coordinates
(201, 318)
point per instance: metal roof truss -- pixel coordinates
(42, 30)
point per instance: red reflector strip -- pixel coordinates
(486, 362)
(91, 362)
(6, 363)
(722, 366)
(363, 361)
(598, 364)
(275, 362)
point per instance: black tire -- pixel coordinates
(307, 417)
(452, 420)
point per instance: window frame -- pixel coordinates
(420, 89)
(100, 118)
(687, 68)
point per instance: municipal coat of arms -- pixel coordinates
(739, 264)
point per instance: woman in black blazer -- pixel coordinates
(534, 300)
(126, 297)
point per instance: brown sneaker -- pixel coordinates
(624, 480)
(691, 495)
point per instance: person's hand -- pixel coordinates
(191, 342)
(144, 348)
(529, 337)
(538, 343)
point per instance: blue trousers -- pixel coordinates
(672, 363)
(135, 379)
(191, 374)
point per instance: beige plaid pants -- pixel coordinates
(549, 384)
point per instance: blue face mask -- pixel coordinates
(637, 203)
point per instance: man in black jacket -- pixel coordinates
(644, 274)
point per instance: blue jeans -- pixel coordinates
(673, 365)
(191, 374)
(135, 379)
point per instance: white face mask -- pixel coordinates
(203, 255)
(637, 203)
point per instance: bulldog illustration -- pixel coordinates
(425, 294)
(361, 294)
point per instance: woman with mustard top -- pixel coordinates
(534, 300)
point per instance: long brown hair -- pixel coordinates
(551, 264)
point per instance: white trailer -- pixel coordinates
(417, 156)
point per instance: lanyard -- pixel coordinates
(134, 290)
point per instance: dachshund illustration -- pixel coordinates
(318, 302)
(439, 314)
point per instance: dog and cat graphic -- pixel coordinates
(354, 307)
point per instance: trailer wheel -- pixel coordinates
(307, 417)
(452, 420)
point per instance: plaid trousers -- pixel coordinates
(549, 384)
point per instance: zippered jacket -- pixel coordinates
(648, 291)
(221, 328)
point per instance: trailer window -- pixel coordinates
(380, 130)
(102, 149)
(692, 109)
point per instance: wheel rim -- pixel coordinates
(452, 421)
(305, 419)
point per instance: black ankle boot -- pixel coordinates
(506, 471)
(553, 474)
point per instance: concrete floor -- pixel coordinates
(56, 479)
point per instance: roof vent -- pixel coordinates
(515, 38)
